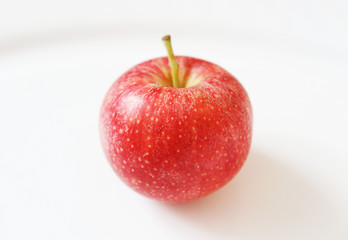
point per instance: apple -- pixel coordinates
(176, 128)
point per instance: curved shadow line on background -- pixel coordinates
(46, 36)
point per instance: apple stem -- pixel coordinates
(172, 61)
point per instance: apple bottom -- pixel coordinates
(184, 184)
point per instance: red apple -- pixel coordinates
(176, 129)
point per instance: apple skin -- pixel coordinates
(176, 144)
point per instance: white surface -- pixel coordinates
(57, 60)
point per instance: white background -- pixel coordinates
(57, 60)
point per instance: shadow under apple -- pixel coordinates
(266, 199)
